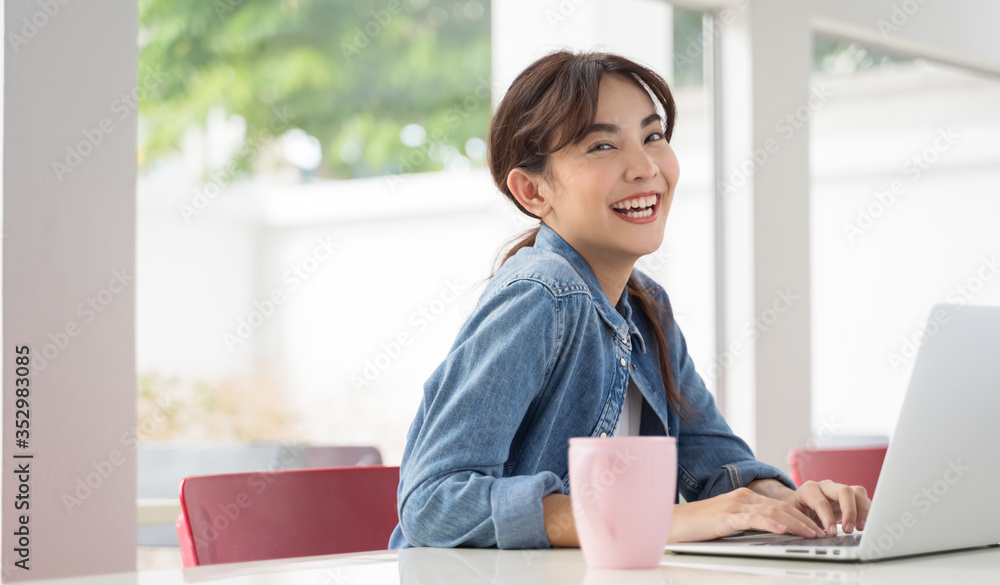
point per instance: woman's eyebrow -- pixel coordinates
(616, 129)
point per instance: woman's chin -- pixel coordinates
(649, 247)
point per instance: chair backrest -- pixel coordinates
(162, 466)
(290, 513)
(851, 466)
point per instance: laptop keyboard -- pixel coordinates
(842, 540)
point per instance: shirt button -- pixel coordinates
(633, 367)
(623, 362)
(604, 435)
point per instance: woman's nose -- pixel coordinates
(640, 165)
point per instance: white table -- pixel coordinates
(563, 567)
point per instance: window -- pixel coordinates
(903, 216)
(302, 289)
(300, 163)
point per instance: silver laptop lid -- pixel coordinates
(938, 484)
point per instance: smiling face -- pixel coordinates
(610, 193)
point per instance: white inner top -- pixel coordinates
(628, 422)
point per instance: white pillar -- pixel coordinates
(764, 104)
(68, 261)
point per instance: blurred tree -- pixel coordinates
(350, 73)
(836, 57)
(690, 47)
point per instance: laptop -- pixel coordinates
(938, 484)
(978, 566)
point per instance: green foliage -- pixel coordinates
(689, 47)
(833, 56)
(346, 72)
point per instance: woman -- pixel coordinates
(568, 339)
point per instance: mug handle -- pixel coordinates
(597, 463)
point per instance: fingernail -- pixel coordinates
(849, 527)
(861, 524)
(782, 528)
(832, 529)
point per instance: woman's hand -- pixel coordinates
(741, 509)
(803, 512)
(828, 503)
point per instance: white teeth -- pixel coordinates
(644, 213)
(648, 201)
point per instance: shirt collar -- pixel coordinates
(620, 319)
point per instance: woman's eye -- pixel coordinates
(600, 147)
(654, 136)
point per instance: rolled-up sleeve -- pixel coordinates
(517, 505)
(452, 488)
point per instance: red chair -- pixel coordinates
(851, 466)
(238, 517)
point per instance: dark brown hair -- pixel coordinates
(549, 106)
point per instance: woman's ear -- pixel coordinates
(526, 189)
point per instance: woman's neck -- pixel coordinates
(611, 273)
(611, 269)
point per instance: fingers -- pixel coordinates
(763, 513)
(853, 501)
(848, 507)
(811, 494)
(814, 509)
(761, 522)
(827, 498)
(863, 503)
(797, 522)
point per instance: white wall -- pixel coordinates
(69, 237)
(354, 264)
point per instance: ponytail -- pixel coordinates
(525, 240)
(650, 307)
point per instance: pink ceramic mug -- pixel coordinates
(623, 491)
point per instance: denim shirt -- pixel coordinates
(542, 358)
